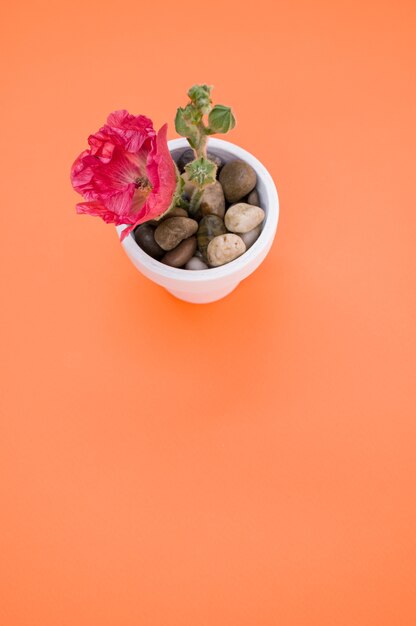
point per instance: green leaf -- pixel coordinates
(221, 119)
(200, 97)
(202, 171)
(191, 114)
(182, 123)
(186, 128)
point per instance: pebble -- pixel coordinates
(242, 217)
(224, 248)
(172, 231)
(177, 211)
(209, 227)
(217, 235)
(250, 237)
(212, 201)
(237, 178)
(145, 238)
(189, 155)
(253, 198)
(180, 255)
(196, 263)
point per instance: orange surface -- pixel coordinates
(245, 463)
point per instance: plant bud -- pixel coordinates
(221, 119)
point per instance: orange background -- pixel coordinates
(249, 462)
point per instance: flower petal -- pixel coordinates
(127, 231)
(96, 209)
(162, 175)
(111, 174)
(114, 210)
(132, 129)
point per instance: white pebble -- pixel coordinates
(196, 264)
(243, 217)
(224, 248)
(252, 236)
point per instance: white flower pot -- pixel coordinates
(202, 286)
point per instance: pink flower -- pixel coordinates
(127, 175)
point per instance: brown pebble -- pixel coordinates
(172, 231)
(253, 198)
(212, 201)
(237, 178)
(145, 238)
(179, 256)
(177, 211)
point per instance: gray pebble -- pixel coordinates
(172, 231)
(250, 237)
(237, 178)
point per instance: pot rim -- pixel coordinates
(241, 263)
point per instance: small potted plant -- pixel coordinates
(196, 214)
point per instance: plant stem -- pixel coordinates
(202, 148)
(195, 201)
(184, 204)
